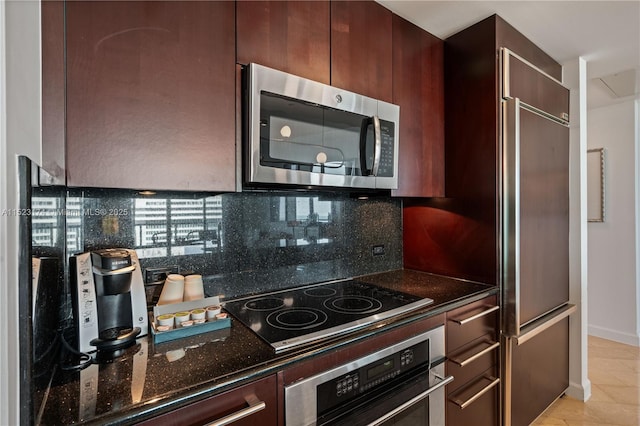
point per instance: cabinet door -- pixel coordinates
(361, 53)
(53, 161)
(248, 405)
(418, 87)
(288, 36)
(151, 95)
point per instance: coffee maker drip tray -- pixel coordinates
(296, 317)
(115, 338)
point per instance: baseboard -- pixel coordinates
(616, 336)
(579, 391)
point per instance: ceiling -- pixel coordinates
(605, 33)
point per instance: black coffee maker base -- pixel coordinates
(117, 344)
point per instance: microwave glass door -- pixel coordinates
(299, 135)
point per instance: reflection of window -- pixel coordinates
(312, 209)
(299, 221)
(177, 226)
(48, 218)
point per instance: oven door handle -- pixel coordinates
(443, 382)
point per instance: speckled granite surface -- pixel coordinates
(151, 379)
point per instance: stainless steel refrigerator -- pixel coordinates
(534, 224)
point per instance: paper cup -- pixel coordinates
(193, 288)
(172, 290)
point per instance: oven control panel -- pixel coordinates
(374, 373)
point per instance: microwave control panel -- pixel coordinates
(387, 137)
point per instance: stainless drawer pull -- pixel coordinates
(471, 400)
(255, 405)
(475, 317)
(476, 356)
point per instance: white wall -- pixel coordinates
(613, 251)
(20, 134)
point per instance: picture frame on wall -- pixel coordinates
(595, 185)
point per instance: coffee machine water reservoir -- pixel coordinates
(110, 304)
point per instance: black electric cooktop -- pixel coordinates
(291, 318)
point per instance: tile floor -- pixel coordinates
(614, 371)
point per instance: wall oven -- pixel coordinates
(403, 384)
(305, 133)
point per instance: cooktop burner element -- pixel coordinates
(291, 318)
(264, 304)
(353, 304)
(297, 318)
(320, 292)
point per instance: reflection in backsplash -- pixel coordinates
(241, 243)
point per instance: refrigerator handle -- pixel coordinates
(510, 217)
(542, 324)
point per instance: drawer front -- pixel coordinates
(471, 322)
(248, 405)
(475, 403)
(471, 360)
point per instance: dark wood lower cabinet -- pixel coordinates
(473, 359)
(245, 399)
(476, 403)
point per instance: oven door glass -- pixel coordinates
(299, 135)
(412, 402)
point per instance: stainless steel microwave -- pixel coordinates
(304, 133)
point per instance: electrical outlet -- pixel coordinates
(155, 275)
(377, 250)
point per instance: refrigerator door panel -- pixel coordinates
(544, 215)
(535, 215)
(531, 85)
(537, 373)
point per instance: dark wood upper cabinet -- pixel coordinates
(151, 95)
(418, 87)
(361, 48)
(290, 36)
(53, 91)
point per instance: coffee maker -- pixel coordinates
(110, 303)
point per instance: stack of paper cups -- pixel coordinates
(173, 290)
(193, 288)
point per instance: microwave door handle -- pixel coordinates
(364, 126)
(378, 145)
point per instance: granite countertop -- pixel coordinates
(151, 379)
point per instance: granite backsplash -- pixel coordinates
(242, 243)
